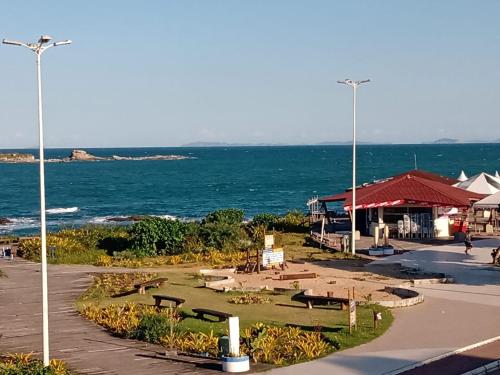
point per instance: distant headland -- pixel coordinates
(82, 155)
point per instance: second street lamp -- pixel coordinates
(38, 48)
(354, 85)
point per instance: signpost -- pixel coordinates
(376, 317)
(272, 257)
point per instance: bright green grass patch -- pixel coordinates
(330, 321)
(297, 247)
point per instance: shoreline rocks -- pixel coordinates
(120, 219)
(5, 221)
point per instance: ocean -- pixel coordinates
(255, 179)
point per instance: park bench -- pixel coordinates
(298, 276)
(155, 283)
(310, 301)
(158, 298)
(222, 316)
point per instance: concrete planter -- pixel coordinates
(235, 364)
(388, 251)
(375, 252)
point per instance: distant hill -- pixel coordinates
(223, 144)
(444, 141)
(340, 143)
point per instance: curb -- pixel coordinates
(437, 358)
(492, 366)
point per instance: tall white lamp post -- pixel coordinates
(354, 85)
(38, 48)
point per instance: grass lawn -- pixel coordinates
(297, 247)
(184, 283)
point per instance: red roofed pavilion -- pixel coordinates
(406, 188)
(409, 203)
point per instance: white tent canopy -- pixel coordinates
(462, 176)
(482, 183)
(492, 201)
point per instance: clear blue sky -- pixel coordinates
(164, 73)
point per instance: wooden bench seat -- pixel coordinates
(222, 316)
(310, 301)
(155, 283)
(158, 298)
(298, 276)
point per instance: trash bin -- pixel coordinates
(224, 345)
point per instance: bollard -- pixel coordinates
(234, 362)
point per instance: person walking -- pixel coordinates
(468, 242)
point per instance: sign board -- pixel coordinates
(272, 256)
(268, 241)
(352, 314)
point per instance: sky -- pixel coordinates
(166, 73)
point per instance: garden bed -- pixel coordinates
(269, 311)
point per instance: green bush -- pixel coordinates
(68, 250)
(266, 219)
(221, 229)
(26, 364)
(152, 328)
(231, 216)
(156, 236)
(292, 221)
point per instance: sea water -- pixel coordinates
(255, 179)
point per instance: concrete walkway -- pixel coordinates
(453, 315)
(86, 347)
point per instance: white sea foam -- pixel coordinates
(21, 221)
(61, 210)
(166, 217)
(18, 223)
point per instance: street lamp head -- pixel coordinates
(346, 82)
(62, 43)
(352, 83)
(44, 39)
(12, 42)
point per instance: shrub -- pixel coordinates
(111, 284)
(266, 219)
(198, 342)
(250, 299)
(152, 328)
(231, 216)
(67, 250)
(221, 229)
(157, 236)
(292, 221)
(282, 345)
(26, 364)
(122, 320)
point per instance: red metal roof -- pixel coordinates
(408, 188)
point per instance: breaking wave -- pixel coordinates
(62, 210)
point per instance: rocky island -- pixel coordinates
(16, 158)
(82, 155)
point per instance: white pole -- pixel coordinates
(354, 85)
(38, 48)
(353, 216)
(45, 297)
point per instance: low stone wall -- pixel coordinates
(218, 284)
(409, 297)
